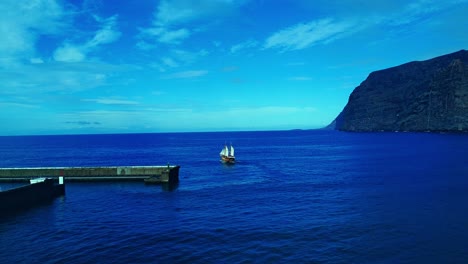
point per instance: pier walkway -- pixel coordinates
(162, 174)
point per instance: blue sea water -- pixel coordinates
(293, 197)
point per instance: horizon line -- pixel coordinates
(169, 132)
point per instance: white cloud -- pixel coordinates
(169, 62)
(177, 58)
(107, 34)
(166, 36)
(180, 119)
(244, 45)
(185, 56)
(173, 12)
(17, 105)
(69, 52)
(145, 45)
(157, 66)
(171, 18)
(111, 120)
(393, 16)
(168, 110)
(136, 120)
(187, 74)
(21, 24)
(174, 36)
(111, 101)
(304, 35)
(418, 10)
(33, 79)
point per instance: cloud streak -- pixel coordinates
(170, 25)
(249, 44)
(304, 35)
(176, 12)
(35, 79)
(187, 74)
(392, 16)
(177, 119)
(110, 101)
(17, 105)
(165, 35)
(108, 33)
(419, 10)
(83, 123)
(176, 58)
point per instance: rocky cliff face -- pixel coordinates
(429, 95)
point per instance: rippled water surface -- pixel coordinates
(295, 196)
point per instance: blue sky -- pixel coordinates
(114, 66)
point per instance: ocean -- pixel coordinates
(292, 197)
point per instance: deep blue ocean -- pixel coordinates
(293, 197)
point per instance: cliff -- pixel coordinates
(429, 95)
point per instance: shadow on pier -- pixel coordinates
(31, 195)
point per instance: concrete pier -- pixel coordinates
(30, 195)
(157, 174)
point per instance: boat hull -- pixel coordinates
(228, 160)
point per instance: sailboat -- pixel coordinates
(227, 155)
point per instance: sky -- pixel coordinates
(114, 66)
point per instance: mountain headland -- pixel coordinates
(429, 95)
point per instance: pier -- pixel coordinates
(149, 174)
(31, 195)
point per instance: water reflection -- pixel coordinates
(169, 187)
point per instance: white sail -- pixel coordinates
(232, 151)
(224, 151)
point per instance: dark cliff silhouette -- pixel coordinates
(429, 95)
